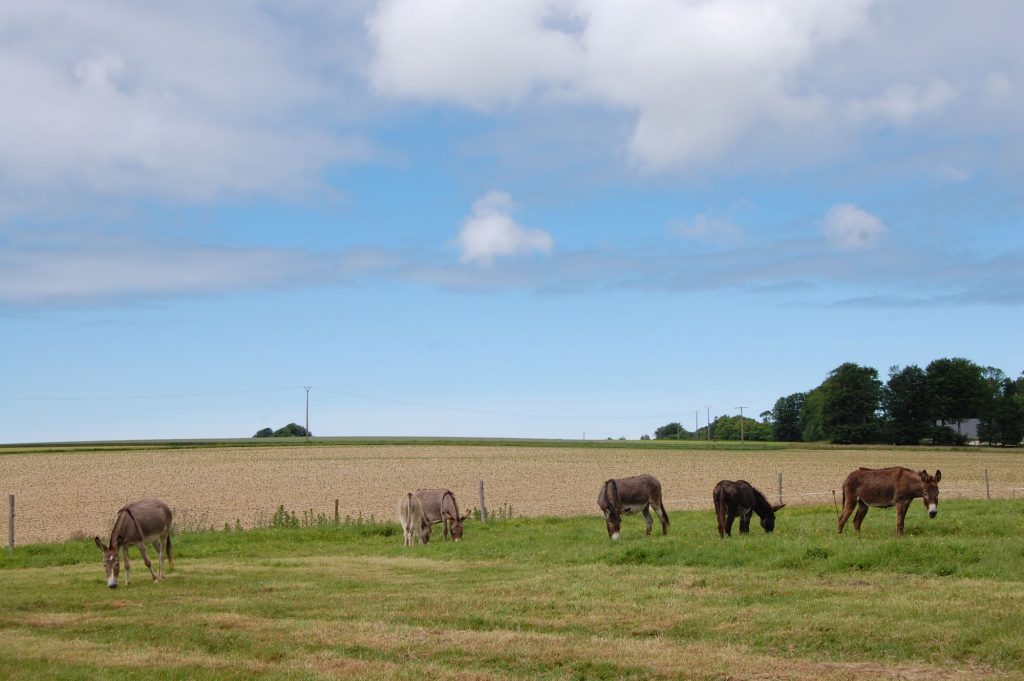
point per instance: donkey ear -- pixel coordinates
(924, 475)
(100, 545)
(463, 518)
(120, 541)
(938, 475)
(778, 508)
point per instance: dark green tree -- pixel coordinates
(264, 432)
(850, 403)
(905, 404)
(671, 431)
(785, 417)
(955, 390)
(812, 424)
(292, 430)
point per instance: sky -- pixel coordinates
(513, 218)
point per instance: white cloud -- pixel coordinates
(490, 232)
(850, 228)
(901, 104)
(696, 76)
(192, 102)
(33, 276)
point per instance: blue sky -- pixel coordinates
(529, 218)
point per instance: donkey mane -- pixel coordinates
(761, 505)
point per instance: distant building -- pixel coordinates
(968, 428)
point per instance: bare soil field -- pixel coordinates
(64, 495)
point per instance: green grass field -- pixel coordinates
(547, 598)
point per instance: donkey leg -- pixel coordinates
(127, 566)
(158, 546)
(663, 517)
(848, 502)
(728, 522)
(647, 519)
(862, 510)
(745, 523)
(145, 558)
(901, 514)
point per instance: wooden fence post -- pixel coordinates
(337, 518)
(10, 524)
(483, 509)
(780, 488)
(988, 494)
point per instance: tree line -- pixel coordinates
(914, 406)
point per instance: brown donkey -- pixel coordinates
(629, 495)
(885, 487)
(148, 520)
(740, 498)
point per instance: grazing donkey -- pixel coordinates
(410, 516)
(629, 495)
(740, 498)
(439, 506)
(148, 520)
(885, 487)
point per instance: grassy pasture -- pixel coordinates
(547, 598)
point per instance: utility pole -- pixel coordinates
(741, 423)
(307, 387)
(709, 426)
(696, 426)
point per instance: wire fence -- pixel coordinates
(505, 503)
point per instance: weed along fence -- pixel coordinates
(57, 496)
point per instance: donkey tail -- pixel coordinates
(167, 550)
(664, 515)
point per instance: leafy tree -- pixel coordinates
(1003, 418)
(728, 428)
(905, 403)
(955, 389)
(292, 430)
(672, 431)
(785, 417)
(265, 432)
(812, 424)
(849, 404)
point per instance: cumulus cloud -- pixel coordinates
(194, 101)
(695, 76)
(490, 232)
(850, 228)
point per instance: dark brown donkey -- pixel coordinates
(439, 506)
(629, 495)
(148, 520)
(740, 498)
(885, 487)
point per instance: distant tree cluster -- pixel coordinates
(853, 406)
(722, 428)
(291, 430)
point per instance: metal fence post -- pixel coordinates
(10, 524)
(780, 488)
(988, 494)
(483, 509)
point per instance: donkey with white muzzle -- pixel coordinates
(148, 520)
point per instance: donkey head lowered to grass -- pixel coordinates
(148, 520)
